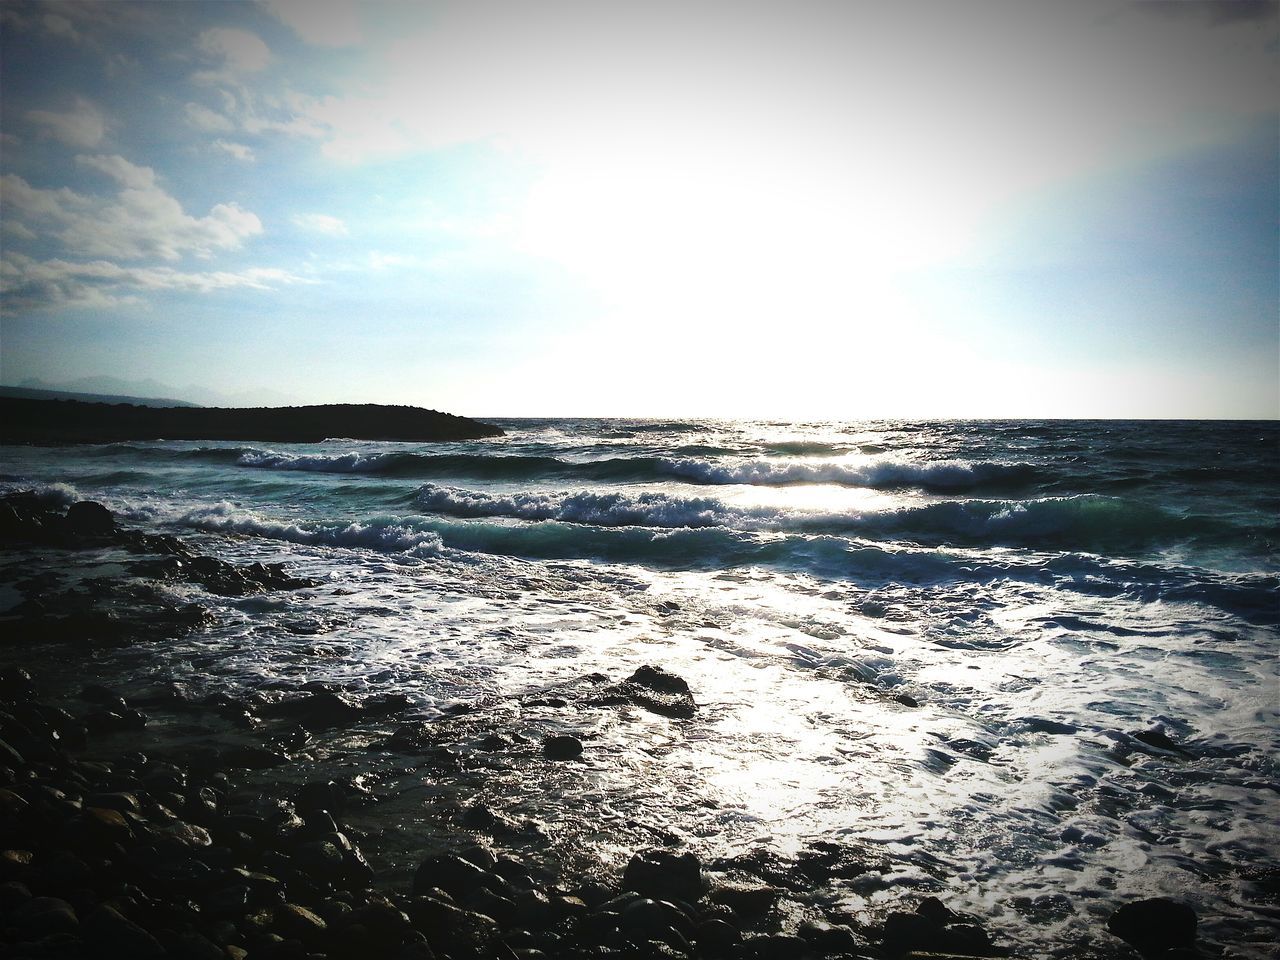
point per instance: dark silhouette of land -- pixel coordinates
(71, 421)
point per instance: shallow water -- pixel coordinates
(1043, 591)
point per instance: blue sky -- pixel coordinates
(809, 209)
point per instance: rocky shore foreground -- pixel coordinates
(73, 421)
(173, 823)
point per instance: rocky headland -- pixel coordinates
(72, 421)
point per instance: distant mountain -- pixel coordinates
(32, 393)
(192, 394)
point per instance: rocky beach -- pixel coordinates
(148, 818)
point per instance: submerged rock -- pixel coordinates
(655, 690)
(562, 747)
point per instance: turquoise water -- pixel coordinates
(1042, 590)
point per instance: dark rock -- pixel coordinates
(293, 920)
(715, 937)
(562, 747)
(1154, 926)
(776, 946)
(655, 690)
(115, 934)
(16, 684)
(660, 874)
(450, 929)
(42, 916)
(320, 710)
(449, 872)
(750, 903)
(253, 758)
(89, 518)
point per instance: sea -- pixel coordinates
(1029, 667)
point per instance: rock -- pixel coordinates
(660, 874)
(253, 758)
(450, 929)
(320, 710)
(562, 747)
(294, 921)
(776, 946)
(16, 684)
(1154, 926)
(655, 690)
(715, 937)
(108, 930)
(88, 518)
(451, 873)
(42, 916)
(750, 903)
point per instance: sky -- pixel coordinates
(988, 208)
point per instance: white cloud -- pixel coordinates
(202, 118)
(237, 150)
(82, 126)
(140, 221)
(320, 223)
(60, 26)
(27, 283)
(324, 23)
(238, 51)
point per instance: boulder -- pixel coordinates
(655, 690)
(89, 518)
(1154, 926)
(661, 875)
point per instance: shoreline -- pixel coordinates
(366, 851)
(49, 422)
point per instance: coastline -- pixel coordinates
(304, 819)
(75, 421)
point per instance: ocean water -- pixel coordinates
(936, 643)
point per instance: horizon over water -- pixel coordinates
(1031, 664)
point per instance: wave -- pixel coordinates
(613, 509)
(825, 555)
(383, 534)
(942, 475)
(1062, 523)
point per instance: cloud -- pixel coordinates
(237, 150)
(238, 51)
(320, 223)
(202, 118)
(28, 284)
(323, 23)
(82, 126)
(140, 221)
(1216, 12)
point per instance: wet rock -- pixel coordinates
(715, 937)
(660, 874)
(320, 710)
(934, 928)
(451, 873)
(450, 929)
(292, 920)
(750, 903)
(254, 758)
(1156, 737)
(655, 690)
(562, 747)
(1154, 926)
(16, 684)
(115, 934)
(88, 518)
(42, 916)
(776, 946)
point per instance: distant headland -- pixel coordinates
(73, 421)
